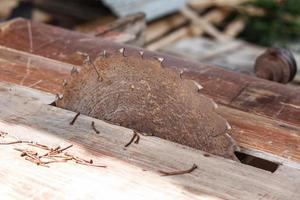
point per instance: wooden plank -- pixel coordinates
(215, 178)
(224, 87)
(258, 97)
(27, 94)
(263, 137)
(159, 28)
(250, 94)
(33, 71)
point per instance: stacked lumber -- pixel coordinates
(195, 19)
(213, 19)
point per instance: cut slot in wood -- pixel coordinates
(257, 162)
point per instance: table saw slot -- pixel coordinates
(257, 162)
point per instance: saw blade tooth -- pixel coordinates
(65, 82)
(142, 54)
(59, 96)
(199, 87)
(228, 126)
(215, 104)
(122, 51)
(74, 70)
(180, 73)
(160, 59)
(103, 53)
(85, 56)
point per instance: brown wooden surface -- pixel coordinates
(265, 116)
(32, 71)
(131, 173)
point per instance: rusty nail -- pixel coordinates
(94, 128)
(132, 139)
(179, 172)
(74, 119)
(199, 87)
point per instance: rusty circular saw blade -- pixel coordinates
(140, 94)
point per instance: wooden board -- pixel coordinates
(263, 114)
(33, 71)
(131, 173)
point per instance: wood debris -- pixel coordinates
(94, 127)
(3, 134)
(135, 138)
(52, 154)
(74, 119)
(163, 173)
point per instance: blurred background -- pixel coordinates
(228, 33)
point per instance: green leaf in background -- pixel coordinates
(279, 25)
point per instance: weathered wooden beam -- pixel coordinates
(275, 131)
(33, 71)
(264, 137)
(26, 118)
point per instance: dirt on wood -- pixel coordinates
(142, 95)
